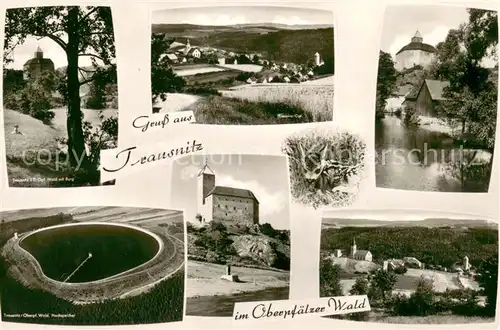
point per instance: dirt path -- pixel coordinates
(177, 102)
(204, 280)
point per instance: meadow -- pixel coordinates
(32, 155)
(317, 100)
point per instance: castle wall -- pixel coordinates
(235, 209)
(409, 58)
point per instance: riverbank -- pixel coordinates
(204, 279)
(439, 125)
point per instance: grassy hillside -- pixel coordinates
(437, 246)
(289, 45)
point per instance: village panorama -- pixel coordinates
(251, 73)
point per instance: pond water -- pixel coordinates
(420, 159)
(84, 253)
(223, 305)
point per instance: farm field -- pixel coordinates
(195, 69)
(321, 81)
(317, 100)
(242, 67)
(213, 76)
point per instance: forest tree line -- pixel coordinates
(433, 246)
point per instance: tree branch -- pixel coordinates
(57, 40)
(92, 55)
(86, 81)
(84, 18)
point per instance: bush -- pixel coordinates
(201, 90)
(400, 270)
(411, 118)
(398, 113)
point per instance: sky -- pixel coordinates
(242, 15)
(433, 22)
(397, 215)
(265, 176)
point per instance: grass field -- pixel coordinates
(211, 77)
(32, 154)
(433, 319)
(204, 280)
(221, 110)
(315, 100)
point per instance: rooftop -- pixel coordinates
(232, 192)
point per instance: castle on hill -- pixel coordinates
(227, 205)
(415, 53)
(38, 64)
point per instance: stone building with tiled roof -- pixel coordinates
(225, 204)
(415, 53)
(38, 64)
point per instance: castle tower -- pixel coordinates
(39, 53)
(317, 59)
(353, 248)
(417, 37)
(205, 184)
(466, 265)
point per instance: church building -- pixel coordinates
(360, 254)
(38, 64)
(225, 204)
(415, 53)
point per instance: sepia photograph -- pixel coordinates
(237, 212)
(244, 65)
(436, 106)
(60, 94)
(101, 265)
(414, 269)
(326, 167)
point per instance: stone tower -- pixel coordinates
(353, 248)
(206, 182)
(466, 265)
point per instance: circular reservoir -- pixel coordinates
(89, 252)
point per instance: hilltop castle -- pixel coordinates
(38, 64)
(224, 204)
(415, 53)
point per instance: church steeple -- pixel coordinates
(353, 247)
(417, 37)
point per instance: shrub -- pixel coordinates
(398, 113)
(400, 270)
(411, 118)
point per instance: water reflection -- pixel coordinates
(420, 159)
